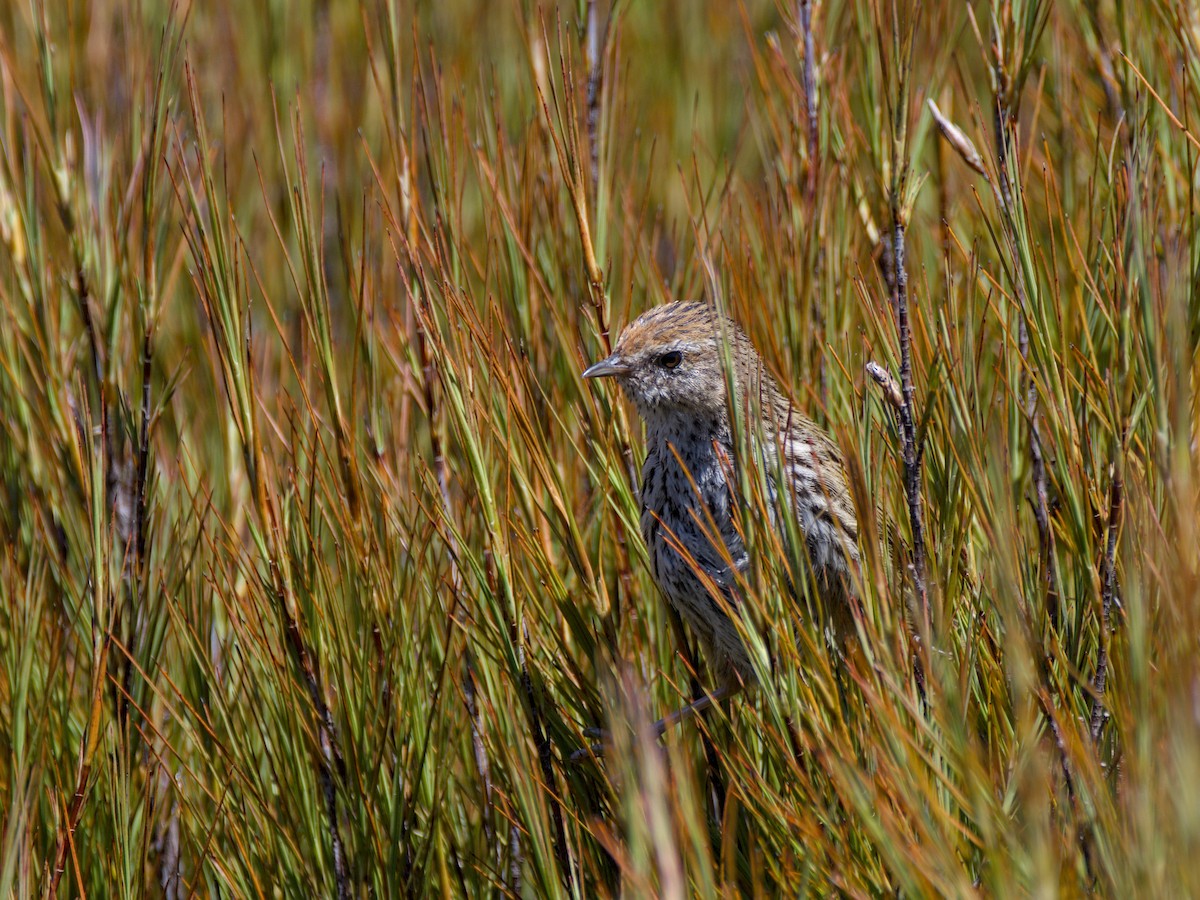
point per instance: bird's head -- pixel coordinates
(668, 361)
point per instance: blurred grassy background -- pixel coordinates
(318, 557)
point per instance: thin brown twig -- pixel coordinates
(329, 758)
(567, 150)
(804, 14)
(1108, 594)
(596, 41)
(893, 265)
(812, 127)
(143, 457)
(911, 452)
(1083, 829)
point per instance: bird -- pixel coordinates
(669, 363)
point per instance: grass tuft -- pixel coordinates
(320, 559)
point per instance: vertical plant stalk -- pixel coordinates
(330, 763)
(1041, 504)
(499, 579)
(1002, 192)
(1103, 60)
(101, 623)
(103, 480)
(83, 301)
(912, 453)
(568, 151)
(314, 293)
(563, 132)
(899, 206)
(541, 740)
(596, 49)
(1015, 34)
(482, 766)
(1108, 595)
(1008, 77)
(470, 692)
(138, 568)
(596, 46)
(499, 583)
(213, 244)
(808, 76)
(330, 758)
(143, 461)
(1083, 830)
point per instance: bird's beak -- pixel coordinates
(614, 365)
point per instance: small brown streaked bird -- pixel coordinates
(669, 363)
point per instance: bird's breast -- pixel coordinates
(687, 520)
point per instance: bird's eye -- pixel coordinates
(671, 359)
